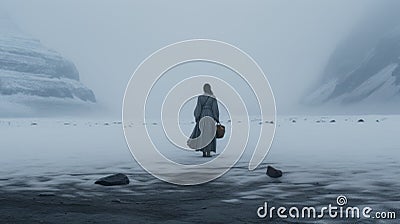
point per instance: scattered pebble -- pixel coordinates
(116, 200)
(46, 194)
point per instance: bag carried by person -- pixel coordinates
(220, 131)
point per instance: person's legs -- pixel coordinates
(207, 150)
(210, 147)
(207, 128)
(208, 154)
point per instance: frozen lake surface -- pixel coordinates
(321, 157)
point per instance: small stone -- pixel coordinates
(360, 121)
(46, 194)
(333, 121)
(116, 200)
(274, 173)
(112, 180)
(119, 201)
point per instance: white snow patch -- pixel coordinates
(381, 80)
(322, 93)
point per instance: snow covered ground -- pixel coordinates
(321, 157)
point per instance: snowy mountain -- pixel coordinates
(29, 70)
(365, 67)
(376, 77)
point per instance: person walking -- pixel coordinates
(204, 130)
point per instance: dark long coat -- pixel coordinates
(207, 105)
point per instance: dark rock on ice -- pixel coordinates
(112, 180)
(116, 200)
(274, 173)
(47, 194)
(360, 121)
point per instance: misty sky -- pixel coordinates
(107, 40)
